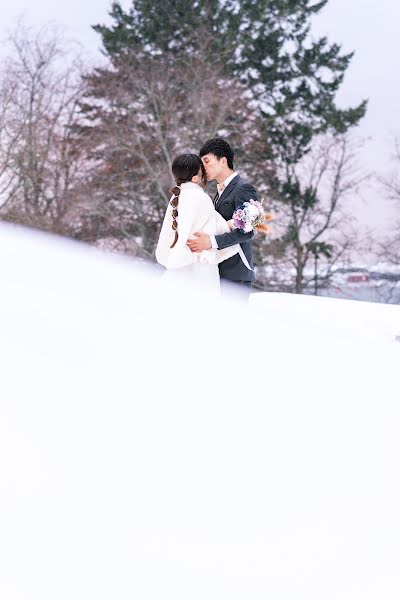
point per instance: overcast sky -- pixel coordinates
(369, 27)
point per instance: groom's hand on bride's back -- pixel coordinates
(202, 242)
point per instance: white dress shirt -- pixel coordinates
(226, 182)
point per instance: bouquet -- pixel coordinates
(250, 215)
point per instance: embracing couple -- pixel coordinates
(199, 241)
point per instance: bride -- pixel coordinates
(191, 209)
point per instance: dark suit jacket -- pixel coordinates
(237, 192)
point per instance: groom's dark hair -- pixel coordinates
(220, 148)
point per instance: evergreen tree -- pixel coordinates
(141, 110)
(291, 80)
(264, 43)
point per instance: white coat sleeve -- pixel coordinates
(217, 225)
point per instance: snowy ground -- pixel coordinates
(155, 447)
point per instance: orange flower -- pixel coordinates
(263, 227)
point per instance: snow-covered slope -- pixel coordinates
(172, 447)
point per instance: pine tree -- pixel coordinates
(264, 43)
(291, 80)
(149, 104)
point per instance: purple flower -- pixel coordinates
(239, 224)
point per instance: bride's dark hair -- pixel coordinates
(184, 168)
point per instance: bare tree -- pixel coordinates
(313, 231)
(9, 136)
(42, 161)
(390, 248)
(141, 111)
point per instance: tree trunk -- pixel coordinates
(299, 270)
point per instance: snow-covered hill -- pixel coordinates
(172, 447)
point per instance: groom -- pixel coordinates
(217, 157)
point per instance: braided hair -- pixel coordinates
(184, 168)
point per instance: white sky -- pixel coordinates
(368, 27)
